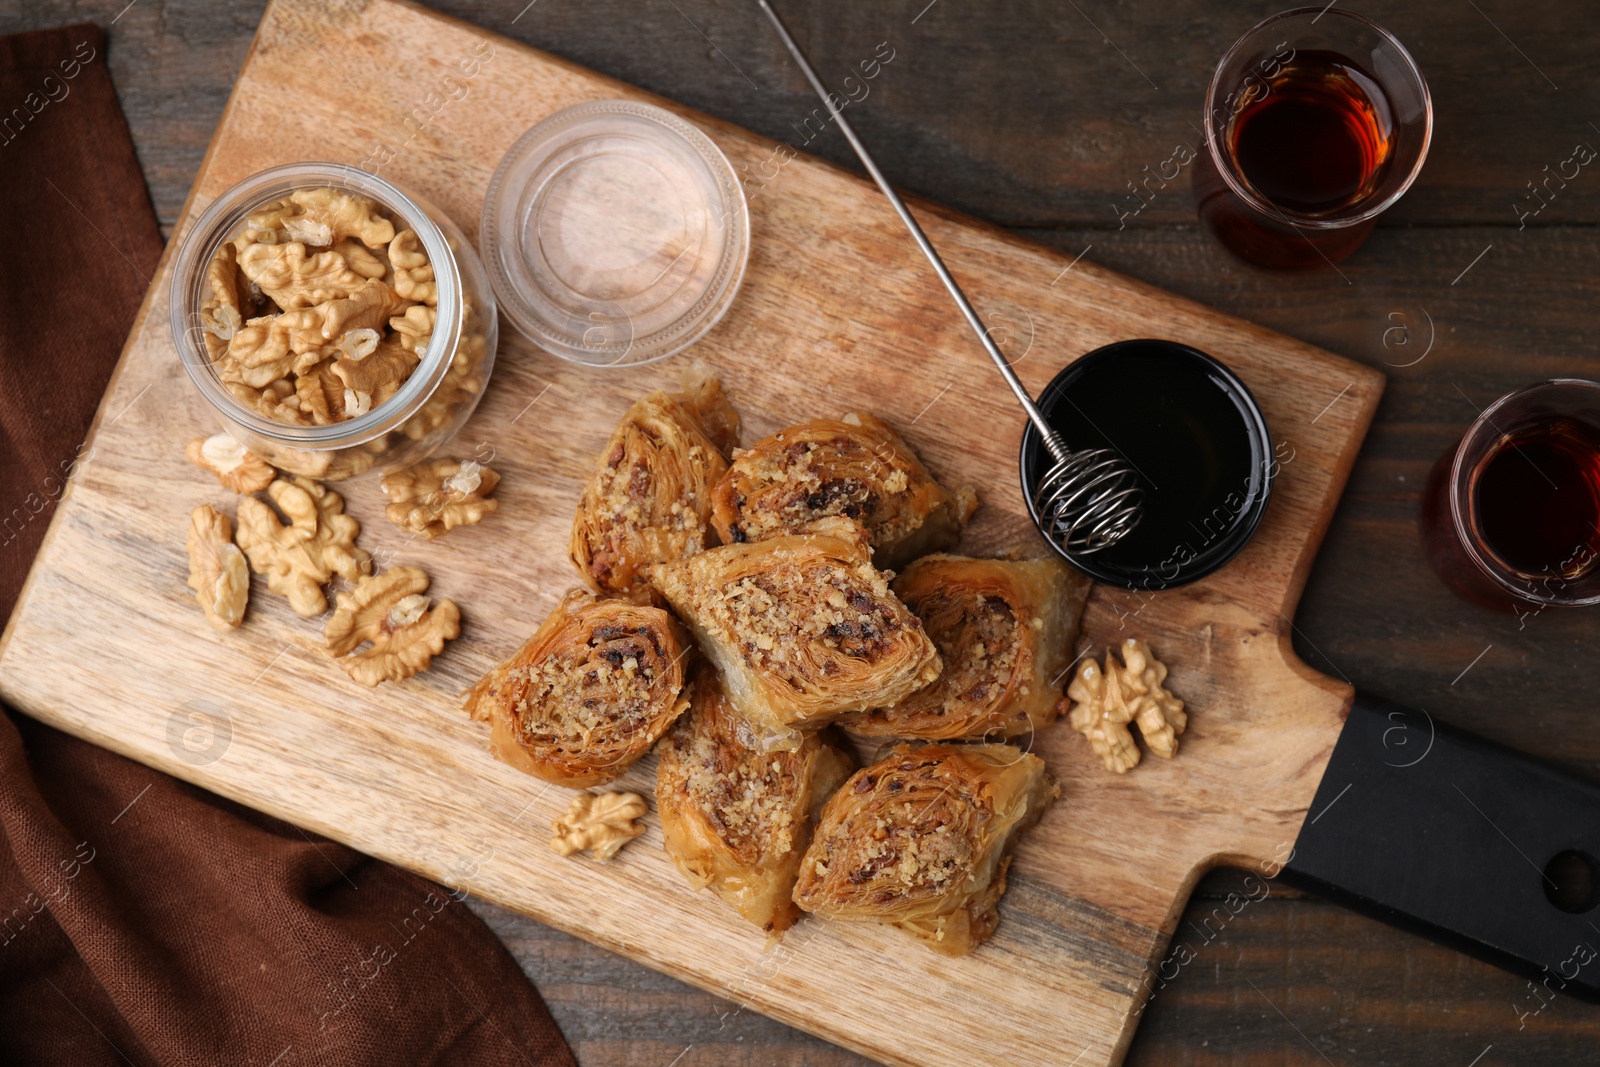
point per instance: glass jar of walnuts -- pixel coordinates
(334, 322)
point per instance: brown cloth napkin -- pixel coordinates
(143, 920)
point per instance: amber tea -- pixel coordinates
(1317, 137)
(1511, 515)
(1536, 500)
(1317, 120)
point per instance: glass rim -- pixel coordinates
(206, 233)
(1261, 204)
(1499, 573)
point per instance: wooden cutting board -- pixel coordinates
(837, 312)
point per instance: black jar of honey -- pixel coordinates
(1196, 439)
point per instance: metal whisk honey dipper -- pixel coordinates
(1089, 499)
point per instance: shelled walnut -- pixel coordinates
(435, 496)
(236, 467)
(312, 314)
(1104, 701)
(603, 822)
(217, 571)
(463, 379)
(299, 557)
(413, 274)
(389, 613)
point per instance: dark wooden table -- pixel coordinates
(1036, 114)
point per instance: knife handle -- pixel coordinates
(1459, 839)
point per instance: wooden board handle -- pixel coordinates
(1462, 840)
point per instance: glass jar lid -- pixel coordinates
(615, 233)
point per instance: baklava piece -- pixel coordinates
(922, 839)
(1005, 632)
(801, 627)
(589, 692)
(650, 498)
(856, 467)
(738, 819)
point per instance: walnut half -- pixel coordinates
(437, 495)
(236, 467)
(217, 571)
(1104, 701)
(603, 822)
(299, 557)
(389, 612)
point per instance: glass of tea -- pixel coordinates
(1511, 515)
(1316, 121)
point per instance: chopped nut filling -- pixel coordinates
(856, 468)
(605, 687)
(978, 646)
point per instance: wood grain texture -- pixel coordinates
(1023, 112)
(1285, 981)
(835, 313)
